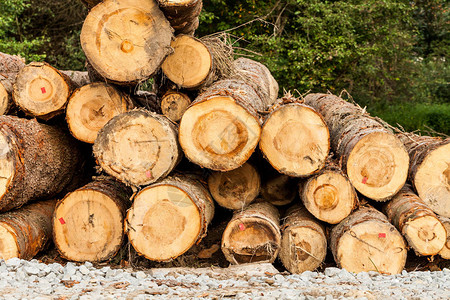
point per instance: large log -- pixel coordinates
(42, 91)
(26, 231)
(366, 241)
(88, 224)
(92, 106)
(328, 195)
(174, 104)
(235, 189)
(126, 41)
(259, 78)
(169, 217)
(182, 14)
(138, 147)
(295, 139)
(417, 222)
(221, 129)
(252, 235)
(303, 241)
(429, 169)
(445, 251)
(37, 161)
(374, 159)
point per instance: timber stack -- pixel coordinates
(296, 176)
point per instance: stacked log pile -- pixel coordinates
(299, 175)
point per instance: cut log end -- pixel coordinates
(426, 234)
(174, 104)
(295, 140)
(235, 189)
(219, 134)
(190, 65)
(432, 180)
(5, 99)
(8, 242)
(445, 251)
(40, 90)
(88, 226)
(91, 107)
(126, 41)
(279, 190)
(378, 166)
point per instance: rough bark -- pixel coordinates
(417, 222)
(252, 235)
(174, 104)
(89, 222)
(37, 161)
(79, 78)
(126, 41)
(328, 195)
(366, 241)
(10, 65)
(221, 129)
(26, 231)
(303, 241)
(235, 189)
(138, 147)
(182, 14)
(169, 217)
(429, 170)
(374, 159)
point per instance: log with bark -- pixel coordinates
(259, 78)
(169, 217)
(92, 106)
(235, 189)
(221, 129)
(366, 241)
(79, 78)
(126, 41)
(303, 241)
(279, 189)
(6, 89)
(10, 65)
(26, 231)
(182, 14)
(374, 159)
(429, 170)
(252, 235)
(174, 104)
(417, 222)
(42, 91)
(37, 161)
(88, 224)
(328, 195)
(445, 251)
(138, 147)
(295, 139)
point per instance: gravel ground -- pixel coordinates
(22, 279)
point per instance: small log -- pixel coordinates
(235, 189)
(92, 106)
(191, 63)
(88, 224)
(445, 251)
(26, 231)
(374, 159)
(79, 78)
(259, 78)
(303, 241)
(174, 104)
(37, 161)
(295, 140)
(169, 217)
(252, 235)
(182, 14)
(221, 129)
(138, 147)
(126, 41)
(417, 222)
(279, 189)
(328, 195)
(429, 170)
(366, 241)
(42, 91)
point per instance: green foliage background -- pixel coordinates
(391, 56)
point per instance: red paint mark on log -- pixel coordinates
(61, 220)
(382, 235)
(364, 181)
(43, 90)
(241, 227)
(148, 174)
